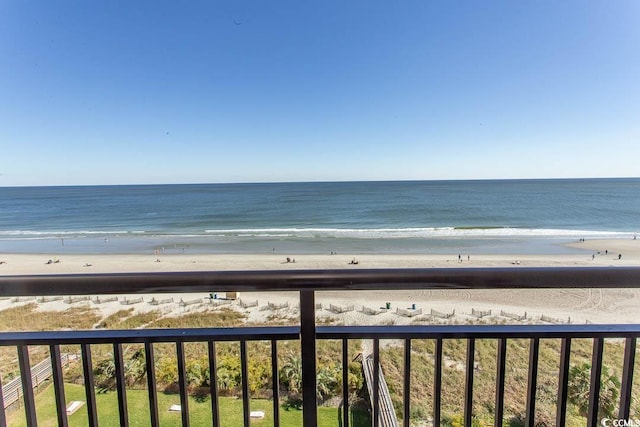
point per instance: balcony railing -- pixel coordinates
(307, 282)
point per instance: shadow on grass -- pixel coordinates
(358, 417)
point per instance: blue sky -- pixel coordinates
(175, 92)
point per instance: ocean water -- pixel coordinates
(493, 216)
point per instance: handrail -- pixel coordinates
(478, 331)
(322, 280)
(127, 336)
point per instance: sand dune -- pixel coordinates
(580, 305)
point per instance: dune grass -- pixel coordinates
(223, 317)
(28, 318)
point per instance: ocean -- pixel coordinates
(439, 217)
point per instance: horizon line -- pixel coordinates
(321, 182)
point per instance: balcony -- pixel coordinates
(309, 333)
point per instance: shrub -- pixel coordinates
(579, 385)
(458, 421)
(167, 371)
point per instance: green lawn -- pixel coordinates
(138, 405)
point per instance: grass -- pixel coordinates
(115, 319)
(199, 411)
(28, 318)
(224, 317)
(126, 319)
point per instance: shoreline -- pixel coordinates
(580, 305)
(595, 252)
(507, 244)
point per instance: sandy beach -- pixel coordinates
(580, 306)
(595, 253)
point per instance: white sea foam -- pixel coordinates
(58, 234)
(328, 233)
(405, 233)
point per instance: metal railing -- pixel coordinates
(307, 282)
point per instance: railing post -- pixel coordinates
(246, 410)
(376, 383)
(594, 383)
(627, 377)
(58, 385)
(308, 343)
(468, 393)
(121, 385)
(151, 384)
(89, 385)
(345, 382)
(407, 383)
(437, 381)
(27, 386)
(183, 384)
(500, 374)
(563, 382)
(213, 383)
(275, 383)
(532, 383)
